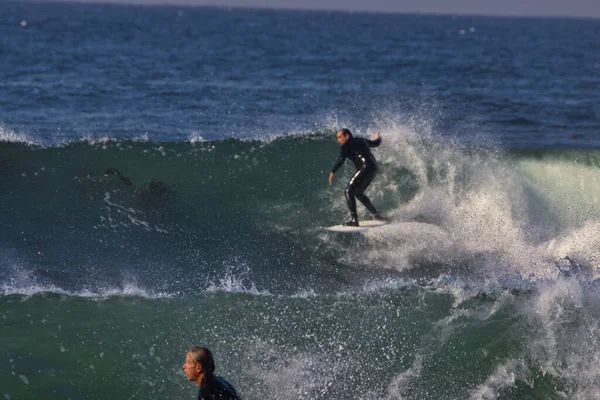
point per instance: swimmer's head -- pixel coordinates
(198, 362)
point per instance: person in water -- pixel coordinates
(155, 192)
(199, 367)
(357, 150)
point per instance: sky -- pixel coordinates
(574, 8)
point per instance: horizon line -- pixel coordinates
(188, 4)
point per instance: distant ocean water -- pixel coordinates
(221, 124)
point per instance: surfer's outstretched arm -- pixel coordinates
(376, 142)
(123, 178)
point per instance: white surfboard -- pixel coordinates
(362, 226)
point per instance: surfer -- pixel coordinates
(154, 193)
(114, 171)
(357, 150)
(199, 367)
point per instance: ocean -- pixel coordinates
(163, 184)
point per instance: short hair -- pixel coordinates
(203, 356)
(346, 132)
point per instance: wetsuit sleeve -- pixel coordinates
(339, 162)
(374, 143)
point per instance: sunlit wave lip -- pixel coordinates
(128, 290)
(232, 284)
(194, 138)
(9, 136)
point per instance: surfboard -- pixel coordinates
(363, 226)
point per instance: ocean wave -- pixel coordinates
(481, 213)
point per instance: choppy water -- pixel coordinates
(221, 125)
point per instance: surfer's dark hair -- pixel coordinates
(203, 356)
(346, 132)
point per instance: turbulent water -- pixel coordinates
(163, 183)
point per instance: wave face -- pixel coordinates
(176, 216)
(171, 215)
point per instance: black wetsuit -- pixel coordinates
(357, 150)
(216, 388)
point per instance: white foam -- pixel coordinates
(7, 135)
(142, 138)
(306, 375)
(125, 291)
(473, 207)
(233, 284)
(504, 376)
(195, 137)
(305, 294)
(386, 285)
(22, 282)
(401, 383)
(563, 336)
(581, 243)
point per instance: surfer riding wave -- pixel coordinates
(358, 150)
